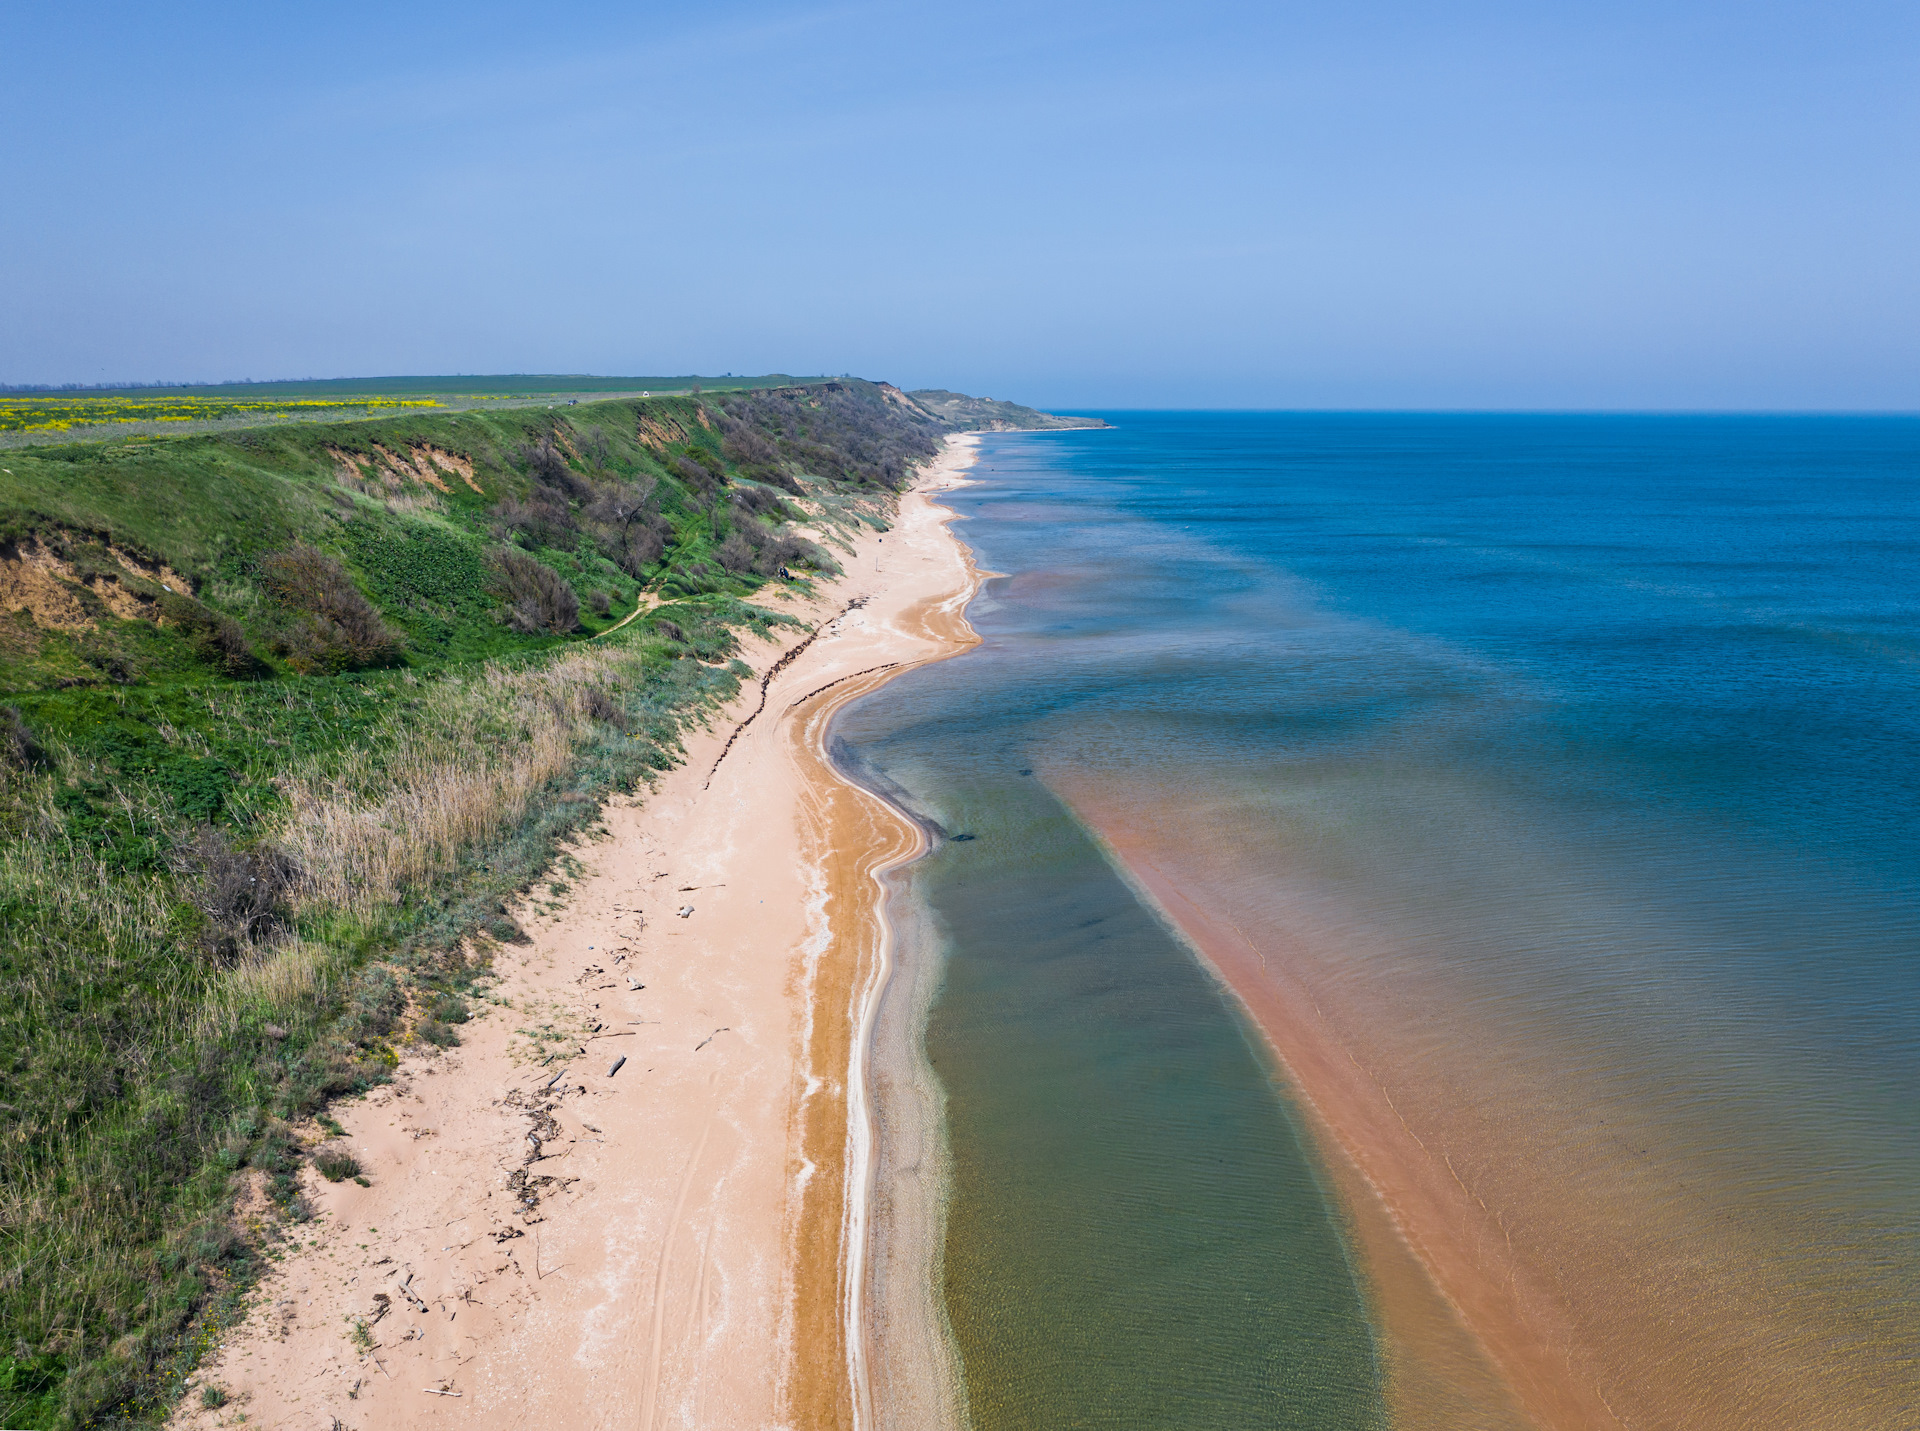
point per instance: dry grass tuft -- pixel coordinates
(477, 749)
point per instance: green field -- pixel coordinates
(289, 716)
(495, 384)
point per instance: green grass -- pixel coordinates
(507, 384)
(220, 905)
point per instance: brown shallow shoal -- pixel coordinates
(1542, 1238)
(678, 1246)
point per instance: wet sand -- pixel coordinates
(678, 1243)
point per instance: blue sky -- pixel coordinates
(1280, 205)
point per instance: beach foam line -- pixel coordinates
(858, 838)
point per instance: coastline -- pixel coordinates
(685, 1239)
(860, 840)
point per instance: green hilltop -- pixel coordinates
(290, 715)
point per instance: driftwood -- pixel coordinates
(775, 669)
(618, 1064)
(848, 677)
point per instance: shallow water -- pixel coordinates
(1563, 770)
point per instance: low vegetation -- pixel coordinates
(61, 413)
(290, 717)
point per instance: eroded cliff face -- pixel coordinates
(66, 582)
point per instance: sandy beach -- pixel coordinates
(637, 1194)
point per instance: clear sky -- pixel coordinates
(1620, 204)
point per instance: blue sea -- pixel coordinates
(1428, 922)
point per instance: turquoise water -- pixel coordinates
(1568, 765)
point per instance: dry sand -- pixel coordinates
(679, 1250)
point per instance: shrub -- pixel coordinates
(597, 448)
(339, 629)
(217, 638)
(751, 547)
(694, 474)
(759, 502)
(213, 1397)
(438, 1034)
(640, 546)
(544, 516)
(537, 597)
(334, 1163)
(784, 549)
(242, 893)
(601, 602)
(549, 465)
(17, 744)
(735, 553)
(602, 707)
(623, 505)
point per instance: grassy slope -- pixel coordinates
(160, 1025)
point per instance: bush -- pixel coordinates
(339, 630)
(750, 547)
(784, 549)
(602, 707)
(746, 448)
(549, 466)
(537, 597)
(217, 638)
(597, 448)
(760, 502)
(242, 893)
(601, 602)
(545, 517)
(334, 1163)
(18, 747)
(639, 547)
(438, 1034)
(735, 553)
(695, 474)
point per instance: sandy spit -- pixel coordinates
(546, 1241)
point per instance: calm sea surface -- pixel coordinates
(1569, 765)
